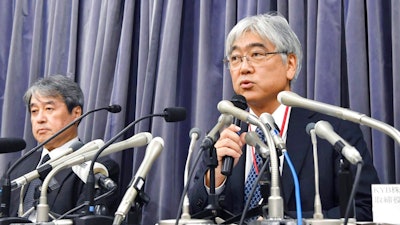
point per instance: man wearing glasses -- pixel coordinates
(264, 57)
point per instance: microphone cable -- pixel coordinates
(67, 214)
(172, 114)
(206, 143)
(186, 187)
(296, 188)
(353, 192)
(253, 189)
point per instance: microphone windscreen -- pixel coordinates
(114, 108)
(309, 127)
(174, 114)
(239, 101)
(194, 130)
(11, 145)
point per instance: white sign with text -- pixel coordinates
(386, 203)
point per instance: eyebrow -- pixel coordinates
(51, 102)
(251, 45)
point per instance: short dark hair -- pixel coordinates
(57, 86)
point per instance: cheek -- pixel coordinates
(235, 78)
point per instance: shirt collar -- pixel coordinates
(57, 152)
(278, 116)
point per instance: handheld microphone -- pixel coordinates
(6, 188)
(153, 150)
(8, 145)
(227, 161)
(325, 131)
(292, 99)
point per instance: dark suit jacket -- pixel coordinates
(71, 191)
(300, 150)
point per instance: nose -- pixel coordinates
(40, 117)
(245, 66)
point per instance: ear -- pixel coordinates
(291, 66)
(77, 111)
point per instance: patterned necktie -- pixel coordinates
(30, 193)
(251, 178)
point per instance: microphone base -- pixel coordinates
(274, 222)
(184, 221)
(351, 221)
(10, 220)
(93, 220)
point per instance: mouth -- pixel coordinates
(245, 84)
(42, 131)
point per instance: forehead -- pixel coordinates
(249, 40)
(38, 99)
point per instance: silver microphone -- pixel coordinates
(22, 180)
(153, 150)
(275, 201)
(324, 130)
(194, 135)
(292, 99)
(252, 139)
(227, 107)
(100, 173)
(268, 120)
(223, 121)
(134, 141)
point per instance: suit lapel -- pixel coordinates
(28, 167)
(298, 144)
(56, 183)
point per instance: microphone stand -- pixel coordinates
(170, 115)
(6, 187)
(213, 209)
(345, 184)
(184, 204)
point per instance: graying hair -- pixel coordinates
(56, 86)
(269, 26)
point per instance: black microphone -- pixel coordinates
(114, 108)
(174, 114)
(171, 114)
(227, 161)
(6, 188)
(8, 145)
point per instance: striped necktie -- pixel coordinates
(251, 178)
(29, 199)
